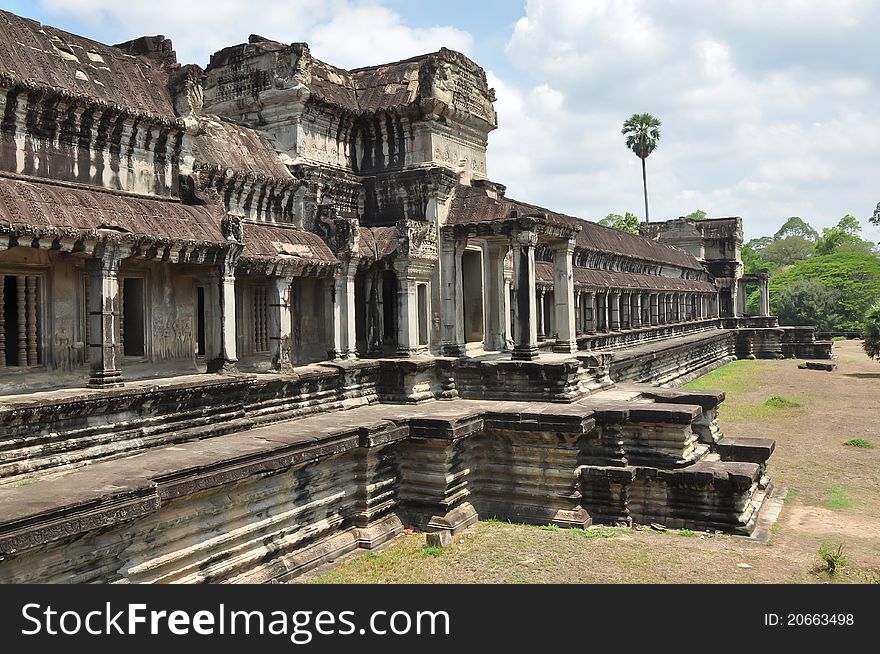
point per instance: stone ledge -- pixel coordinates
(751, 450)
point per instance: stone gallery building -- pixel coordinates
(258, 315)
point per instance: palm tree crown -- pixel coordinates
(642, 132)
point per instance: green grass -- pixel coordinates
(779, 402)
(734, 377)
(549, 527)
(863, 443)
(432, 550)
(838, 499)
(687, 533)
(833, 557)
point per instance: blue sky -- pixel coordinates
(768, 108)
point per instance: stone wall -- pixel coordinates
(278, 499)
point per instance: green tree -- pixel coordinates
(796, 226)
(628, 223)
(699, 214)
(642, 132)
(872, 331)
(853, 276)
(753, 259)
(787, 251)
(808, 302)
(875, 218)
(845, 234)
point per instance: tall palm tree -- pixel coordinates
(642, 131)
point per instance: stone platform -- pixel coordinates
(261, 495)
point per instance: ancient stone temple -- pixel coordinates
(262, 314)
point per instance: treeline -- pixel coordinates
(829, 280)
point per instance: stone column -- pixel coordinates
(614, 317)
(563, 297)
(594, 304)
(496, 294)
(526, 346)
(225, 357)
(578, 312)
(344, 344)
(765, 295)
(654, 307)
(280, 325)
(408, 310)
(539, 302)
(451, 296)
(407, 316)
(105, 316)
(624, 311)
(638, 312)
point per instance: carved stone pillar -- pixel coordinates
(614, 317)
(526, 346)
(224, 357)
(105, 316)
(409, 275)
(280, 324)
(563, 297)
(451, 296)
(637, 314)
(597, 306)
(542, 319)
(606, 316)
(344, 344)
(497, 295)
(765, 295)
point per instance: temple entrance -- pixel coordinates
(472, 291)
(133, 310)
(309, 298)
(375, 299)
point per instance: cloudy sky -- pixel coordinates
(769, 109)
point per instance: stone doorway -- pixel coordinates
(472, 292)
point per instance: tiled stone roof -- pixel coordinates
(226, 145)
(268, 241)
(49, 58)
(622, 280)
(472, 205)
(67, 209)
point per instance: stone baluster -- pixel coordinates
(32, 320)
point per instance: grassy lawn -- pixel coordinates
(824, 424)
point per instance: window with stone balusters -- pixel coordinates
(20, 321)
(261, 319)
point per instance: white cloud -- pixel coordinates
(371, 34)
(345, 33)
(767, 108)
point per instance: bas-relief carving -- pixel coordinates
(173, 339)
(68, 350)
